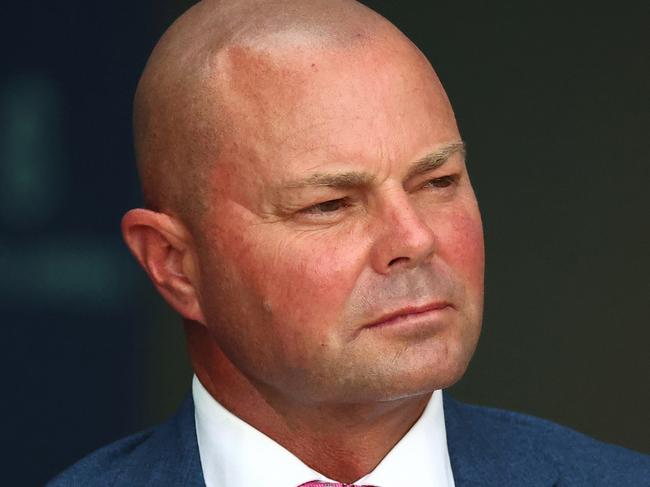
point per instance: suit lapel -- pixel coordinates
(485, 452)
(186, 453)
(170, 457)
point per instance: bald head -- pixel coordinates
(185, 99)
(309, 180)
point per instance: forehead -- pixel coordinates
(296, 109)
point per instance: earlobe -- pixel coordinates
(163, 247)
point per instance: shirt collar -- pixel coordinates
(235, 453)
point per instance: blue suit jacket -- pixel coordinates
(487, 447)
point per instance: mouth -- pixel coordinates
(410, 313)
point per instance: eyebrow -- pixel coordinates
(435, 159)
(355, 179)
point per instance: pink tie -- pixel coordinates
(318, 483)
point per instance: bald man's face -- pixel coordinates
(341, 258)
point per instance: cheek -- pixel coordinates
(461, 245)
(313, 278)
(301, 281)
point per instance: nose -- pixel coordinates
(403, 238)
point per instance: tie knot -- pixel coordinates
(318, 483)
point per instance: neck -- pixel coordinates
(341, 441)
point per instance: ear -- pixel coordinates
(164, 248)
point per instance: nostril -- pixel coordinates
(398, 260)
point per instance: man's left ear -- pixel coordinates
(163, 247)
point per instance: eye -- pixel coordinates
(330, 206)
(441, 182)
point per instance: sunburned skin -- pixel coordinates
(306, 182)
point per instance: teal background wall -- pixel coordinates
(553, 104)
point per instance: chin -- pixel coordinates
(423, 375)
(395, 381)
(429, 381)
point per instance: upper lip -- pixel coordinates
(408, 310)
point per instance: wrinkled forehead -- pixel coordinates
(283, 100)
(246, 85)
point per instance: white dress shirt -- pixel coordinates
(235, 454)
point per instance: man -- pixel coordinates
(310, 215)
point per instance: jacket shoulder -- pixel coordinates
(166, 455)
(104, 466)
(576, 458)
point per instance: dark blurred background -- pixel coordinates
(553, 104)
